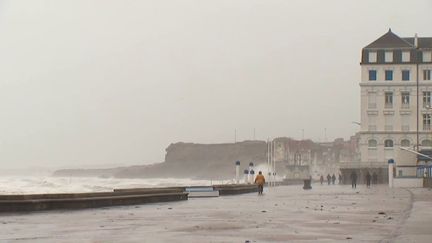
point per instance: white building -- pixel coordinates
(396, 90)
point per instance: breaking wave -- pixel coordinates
(49, 184)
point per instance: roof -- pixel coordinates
(423, 42)
(390, 40)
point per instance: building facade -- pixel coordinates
(396, 91)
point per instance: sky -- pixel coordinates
(89, 83)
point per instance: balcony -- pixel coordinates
(388, 106)
(405, 106)
(372, 128)
(426, 127)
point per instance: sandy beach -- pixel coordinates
(282, 214)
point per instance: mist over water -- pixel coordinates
(48, 184)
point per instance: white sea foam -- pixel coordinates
(49, 184)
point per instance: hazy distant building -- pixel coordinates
(391, 70)
(303, 158)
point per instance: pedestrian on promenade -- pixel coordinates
(340, 179)
(374, 178)
(260, 180)
(328, 179)
(368, 179)
(354, 179)
(333, 179)
(322, 179)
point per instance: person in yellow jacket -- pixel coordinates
(260, 180)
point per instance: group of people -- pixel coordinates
(368, 178)
(331, 179)
(260, 180)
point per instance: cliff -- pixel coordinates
(206, 161)
(217, 161)
(189, 160)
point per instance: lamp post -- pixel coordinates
(417, 89)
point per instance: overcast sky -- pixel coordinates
(97, 82)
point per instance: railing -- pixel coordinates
(372, 105)
(388, 128)
(388, 106)
(405, 106)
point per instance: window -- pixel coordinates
(405, 143)
(426, 121)
(405, 121)
(372, 56)
(405, 75)
(406, 56)
(427, 56)
(388, 75)
(427, 99)
(426, 143)
(372, 100)
(388, 143)
(388, 56)
(405, 99)
(372, 75)
(427, 74)
(372, 122)
(372, 143)
(388, 102)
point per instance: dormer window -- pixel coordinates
(372, 56)
(406, 56)
(388, 56)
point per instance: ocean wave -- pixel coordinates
(48, 184)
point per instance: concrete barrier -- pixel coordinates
(88, 202)
(118, 197)
(116, 192)
(150, 190)
(235, 189)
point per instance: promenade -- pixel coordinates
(282, 214)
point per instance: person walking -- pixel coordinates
(368, 180)
(322, 179)
(333, 179)
(328, 179)
(374, 178)
(260, 180)
(353, 180)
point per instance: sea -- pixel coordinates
(37, 181)
(35, 184)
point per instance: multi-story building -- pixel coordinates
(396, 91)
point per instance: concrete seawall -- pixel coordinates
(119, 197)
(235, 189)
(89, 202)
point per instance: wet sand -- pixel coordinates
(282, 214)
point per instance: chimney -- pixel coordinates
(416, 40)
